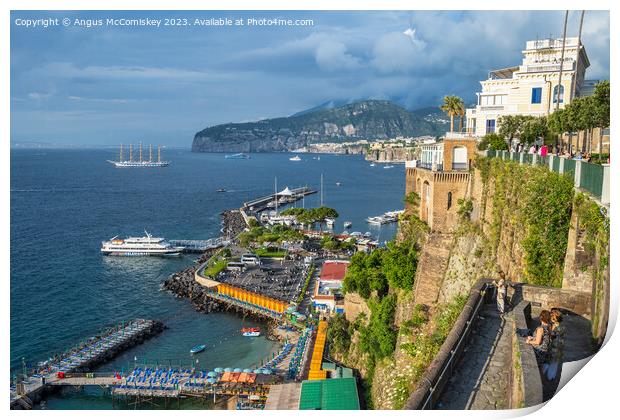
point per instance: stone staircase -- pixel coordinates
(431, 268)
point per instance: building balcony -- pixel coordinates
(437, 167)
(491, 107)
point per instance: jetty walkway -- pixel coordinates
(262, 203)
(199, 245)
(86, 356)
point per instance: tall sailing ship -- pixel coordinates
(131, 163)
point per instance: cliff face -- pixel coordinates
(391, 154)
(361, 120)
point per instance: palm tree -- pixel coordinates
(453, 105)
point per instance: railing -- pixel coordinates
(589, 177)
(443, 365)
(460, 166)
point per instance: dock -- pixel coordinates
(93, 352)
(262, 203)
(199, 245)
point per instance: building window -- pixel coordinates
(449, 200)
(555, 94)
(490, 126)
(536, 95)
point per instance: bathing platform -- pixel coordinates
(86, 356)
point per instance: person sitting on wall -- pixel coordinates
(542, 337)
(556, 348)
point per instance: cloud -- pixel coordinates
(70, 70)
(183, 80)
(397, 52)
(333, 56)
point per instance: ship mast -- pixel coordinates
(321, 190)
(120, 157)
(158, 153)
(131, 152)
(140, 152)
(275, 191)
(150, 153)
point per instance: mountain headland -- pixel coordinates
(363, 120)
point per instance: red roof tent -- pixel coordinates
(334, 270)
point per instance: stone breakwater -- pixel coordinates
(183, 285)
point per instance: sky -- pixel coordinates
(111, 84)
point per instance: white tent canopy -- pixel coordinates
(286, 192)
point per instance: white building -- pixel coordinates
(530, 88)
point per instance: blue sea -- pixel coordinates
(65, 202)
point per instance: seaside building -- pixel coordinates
(327, 296)
(531, 88)
(440, 178)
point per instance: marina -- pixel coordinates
(273, 200)
(385, 218)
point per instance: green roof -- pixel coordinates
(329, 394)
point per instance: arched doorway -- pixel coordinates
(459, 158)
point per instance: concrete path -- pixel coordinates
(481, 380)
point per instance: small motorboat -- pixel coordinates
(250, 332)
(388, 166)
(338, 184)
(372, 164)
(295, 158)
(221, 190)
(198, 348)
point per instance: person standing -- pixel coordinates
(500, 290)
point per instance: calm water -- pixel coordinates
(64, 202)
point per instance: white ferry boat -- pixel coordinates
(131, 163)
(135, 247)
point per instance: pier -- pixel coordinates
(86, 356)
(262, 203)
(199, 245)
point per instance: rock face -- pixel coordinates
(363, 120)
(391, 154)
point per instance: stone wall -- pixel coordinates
(439, 194)
(550, 297)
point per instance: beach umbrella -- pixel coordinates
(212, 380)
(212, 374)
(257, 371)
(266, 371)
(228, 370)
(247, 370)
(218, 370)
(238, 370)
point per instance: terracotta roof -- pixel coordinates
(334, 270)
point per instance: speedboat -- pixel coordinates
(295, 158)
(372, 164)
(198, 348)
(221, 190)
(338, 183)
(388, 166)
(250, 332)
